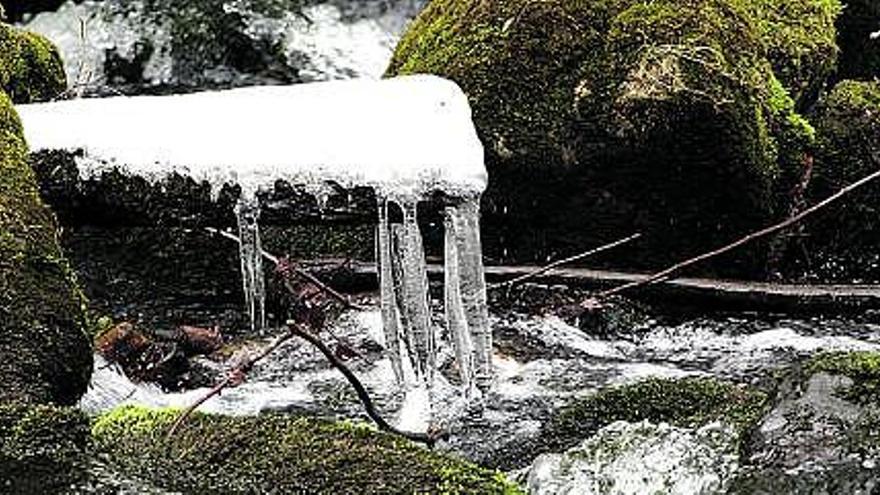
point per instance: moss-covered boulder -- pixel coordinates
(685, 402)
(280, 454)
(43, 449)
(675, 118)
(822, 431)
(860, 51)
(30, 67)
(45, 355)
(847, 124)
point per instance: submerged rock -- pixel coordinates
(637, 458)
(273, 453)
(676, 119)
(821, 434)
(45, 354)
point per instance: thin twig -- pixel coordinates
(233, 378)
(426, 438)
(571, 259)
(302, 273)
(668, 272)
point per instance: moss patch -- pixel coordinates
(30, 66)
(862, 367)
(43, 449)
(687, 402)
(45, 355)
(280, 454)
(614, 109)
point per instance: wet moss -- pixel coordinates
(30, 66)
(617, 108)
(45, 355)
(43, 449)
(280, 454)
(863, 368)
(686, 402)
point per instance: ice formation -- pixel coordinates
(406, 137)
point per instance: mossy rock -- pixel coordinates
(847, 124)
(30, 66)
(280, 454)
(45, 355)
(43, 449)
(603, 116)
(689, 402)
(860, 53)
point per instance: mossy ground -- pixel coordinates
(615, 109)
(43, 449)
(686, 402)
(280, 454)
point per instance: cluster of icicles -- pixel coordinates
(410, 336)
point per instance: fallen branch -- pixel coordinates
(234, 378)
(555, 264)
(427, 438)
(672, 270)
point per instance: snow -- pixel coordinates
(405, 137)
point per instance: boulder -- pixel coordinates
(674, 118)
(30, 67)
(45, 355)
(279, 454)
(843, 241)
(821, 432)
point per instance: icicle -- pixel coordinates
(456, 320)
(413, 293)
(466, 288)
(250, 250)
(388, 301)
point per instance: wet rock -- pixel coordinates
(821, 433)
(641, 457)
(273, 453)
(600, 117)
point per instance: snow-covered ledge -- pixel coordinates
(406, 138)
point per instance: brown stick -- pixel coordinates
(235, 377)
(571, 259)
(668, 272)
(302, 273)
(427, 438)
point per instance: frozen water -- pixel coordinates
(247, 212)
(406, 137)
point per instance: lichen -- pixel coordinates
(280, 454)
(43, 449)
(686, 402)
(45, 355)
(30, 66)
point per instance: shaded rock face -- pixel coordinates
(821, 434)
(45, 355)
(676, 119)
(842, 243)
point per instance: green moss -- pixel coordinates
(622, 105)
(30, 66)
(274, 453)
(43, 449)
(687, 402)
(44, 352)
(862, 367)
